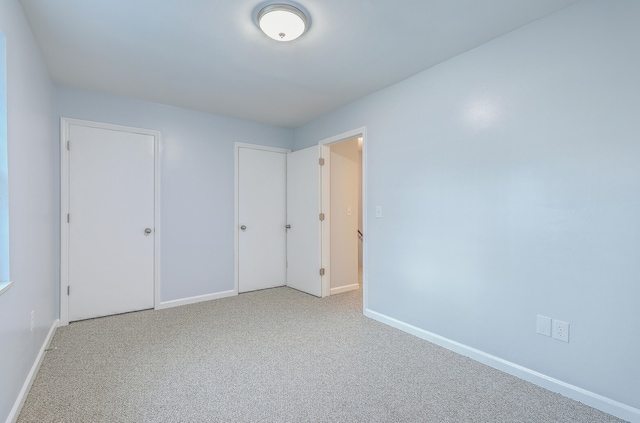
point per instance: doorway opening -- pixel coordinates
(345, 211)
(344, 197)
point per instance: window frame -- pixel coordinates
(4, 185)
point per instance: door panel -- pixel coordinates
(303, 209)
(262, 200)
(111, 203)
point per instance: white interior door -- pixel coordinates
(303, 210)
(262, 208)
(111, 225)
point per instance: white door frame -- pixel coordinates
(326, 206)
(64, 207)
(236, 226)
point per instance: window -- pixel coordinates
(5, 281)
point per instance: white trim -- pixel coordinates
(4, 286)
(347, 288)
(64, 228)
(157, 244)
(325, 225)
(64, 206)
(365, 225)
(196, 299)
(345, 136)
(261, 147)
(236, 226)
(326, 204)
(589, 398)
(22, 396)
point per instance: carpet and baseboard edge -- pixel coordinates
(343, 289)
(197, 299)
(22, 396)
(589, 398)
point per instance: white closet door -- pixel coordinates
(111, 227)
(262, 199)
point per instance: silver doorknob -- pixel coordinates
(147, 231)
(243, 227)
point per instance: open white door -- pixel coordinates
(303, 214)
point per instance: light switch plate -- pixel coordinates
(543, 326)
(348, 211)
(378, 212)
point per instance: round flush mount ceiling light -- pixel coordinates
(282, 22)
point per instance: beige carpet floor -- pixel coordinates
(274, 356)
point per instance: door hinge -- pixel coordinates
(321, 161)
(68, 145)
(68, 290)
(321, 216)
(68, 218)
(322, 272)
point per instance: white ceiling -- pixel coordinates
(209, 55)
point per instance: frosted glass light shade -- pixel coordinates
(282, 22)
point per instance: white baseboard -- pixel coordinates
(589, 398)
(22, 397)
(341, 289)
(197, 299)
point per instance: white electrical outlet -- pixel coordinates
(560, 331)
(33, 319)
(543, 325)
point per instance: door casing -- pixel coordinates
(64, 206)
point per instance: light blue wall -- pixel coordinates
(197, 194)
(509, 178)
(33, 207)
